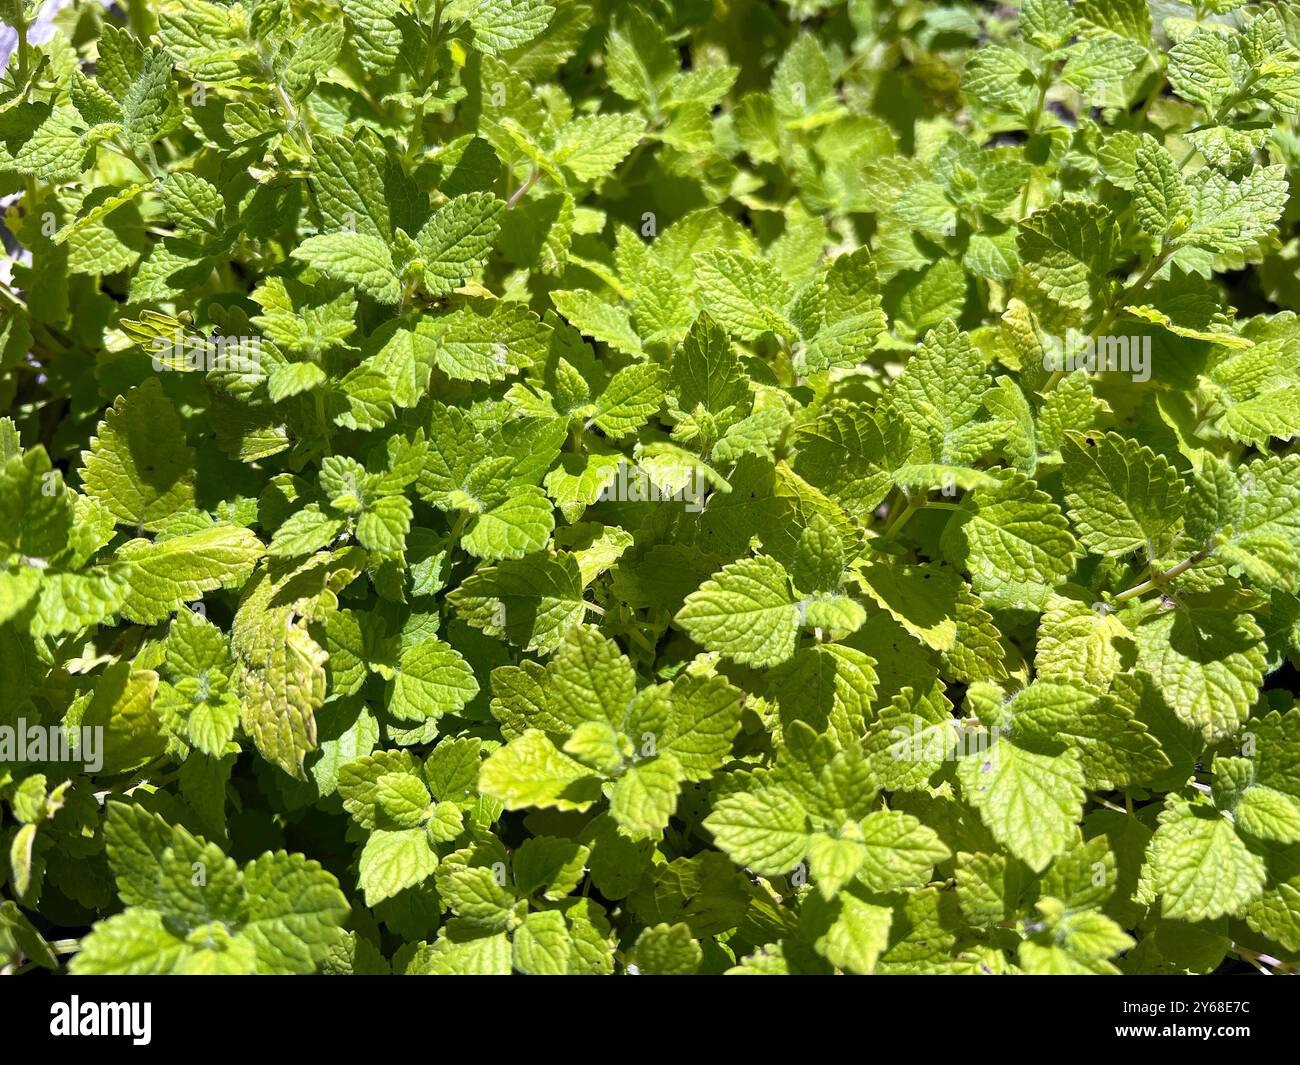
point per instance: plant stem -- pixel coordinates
(1112, 312)
(641, 640)
(415, 147)
(1265, 963)
(1217, 118)
(522, 191)
(20, 25)
(914, 503)
(1158, 580)
(291, 112)
(150, 169)
(324, 421)
(1154, 94)
(1044, 83)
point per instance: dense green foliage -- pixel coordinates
(577, 486)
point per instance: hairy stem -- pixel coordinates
(522, 191)
(1121, 301)
(1044, 83)
(1158, 580)
(914, 503)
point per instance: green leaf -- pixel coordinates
(1200, 68)
(133, 466)
(532, 602)
(1122, 497)
(588, 679)
(150, 102)
(705, 718)
(640, 60)
(348, 181)
(746, 611)
(1014, 540)
(431, 680)
(138, 943)
(1199, 865)
(1128, 18)
(542, 945)
(765, 830)
(550, 865)
(667, 950)
(502, 25)
(940, 392)
(1268, 814)
(645, 796)
(294, 911)
(393, 860)
(851, 932)
(1047, 23)
(193, 203)
(358, 259)
(1067, 250)
(591, 147)
(1101, 62)
(487, 340)
(1233, 215)
(1263, 534)
(744, 294)
(1115, 749)
(632, 396)
(530, 771)
(520, 526)
(36, 511)
(1160, 199)
(602, 321)
(1031, 802)
(53, 151)
(163, 575)
(1000, 77)
(1078, 642)
(457, 240)
(1207, 659)
(900, 851)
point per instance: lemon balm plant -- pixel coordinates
(573, 486)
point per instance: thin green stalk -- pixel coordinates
(295, 120)
(1159, 580)
(1242, 93)
(1108, 804)
(641, 640)
(324, 421)
(149, 167)
(1161, 80)
(24, 55)
(914, 503)
(1265, 963)
(522, 191)
(1044, 84)
(1122, 300)
(416, 146)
